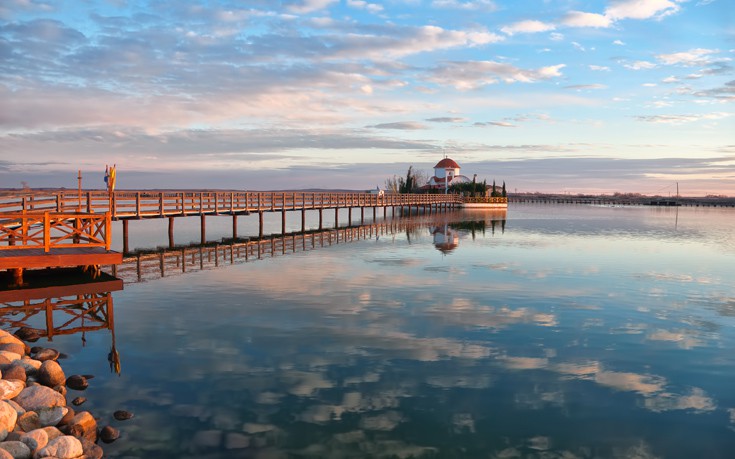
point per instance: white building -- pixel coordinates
(446, 173)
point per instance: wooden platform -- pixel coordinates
(58, 257)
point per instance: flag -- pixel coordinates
(113, 176)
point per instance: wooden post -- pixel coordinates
(320, 217)
(137, 204)
(349, 216)
(126, 249)
(303, 218)
(171, 232)
(260, 220)
(374, 210)
(283, 219)
(160, 204)
(204, 228)
(336, 217)
(108, 231)
(89, 202)
(46, 231)
(234, 226)
(362, 215)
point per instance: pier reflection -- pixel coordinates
(447, 235)
(58, 302)
(148, 265)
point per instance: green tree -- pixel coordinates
(505, 194)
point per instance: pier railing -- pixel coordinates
(158, 203)
(51, 230)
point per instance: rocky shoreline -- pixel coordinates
(35, 419)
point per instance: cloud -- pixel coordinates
(582, 19)
(725, 92)
(363, 5)
(401, 125)
(586, 86)
(528, 26)
(446, 119)
(599, 68)
(476, 74)
(641, 9)
(307, 6)
(467, 5)
(698, 57)
(640, 65)
(496, 123)
(681, 119)
(618, 43)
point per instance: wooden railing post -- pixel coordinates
(108, 230)
(160, 204)
(46, 231)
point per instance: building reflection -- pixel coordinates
(448, 234)
(58, 302)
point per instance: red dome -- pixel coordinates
(447, 163)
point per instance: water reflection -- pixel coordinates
(61, 302)
(531, 342)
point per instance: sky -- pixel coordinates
(548, 96)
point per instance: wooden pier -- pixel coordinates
(50, 239)
(147, 204)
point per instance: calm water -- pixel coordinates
(549, 332)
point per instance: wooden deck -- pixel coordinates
(59, 257)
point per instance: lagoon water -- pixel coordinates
(549, 331)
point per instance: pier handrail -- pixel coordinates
(171, 203)
(53, 230)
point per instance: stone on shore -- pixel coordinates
(78, 401)
(10, 388)
(17, 449)
(46, 354)
(36, 397)
(122, 415)
(16, 372)
(8, 417)
(35, 439)
(84, 426)
(18, 348)
(29, 421)
(50, 374)
(52, 416)
(77, 382)
(65, 447)
(5, 455)
(108, 434)
(10, 356)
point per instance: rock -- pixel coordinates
(28, 334)
(35, 349)
(31, 365)
(5, 455)
(60, 389)
(68, 417)
(122, 415)
(77, 382)
(17, 449)
(29, 421)
(46, 354)
(51, 416)
(66, 447)
(35, 439)
(91, 450)
(84, 426)
(14, 435)
(11, 356)
(78, 401)
(10, 389)
(4, 361)
(50, 374)
(108, 434)
(18, 348)
(8, 417)
(52, 432)
(36, 397)
(16, 372)
(18, 409)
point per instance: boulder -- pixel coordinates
(91, 450)
(18, 348)
(46, 354)
(108, 434)
(50, 374)
(10, 389)
(10, 356)
(5, 455)
(122, 415)
(84, 426)
(78, 401)
(52, 432)
(36, 397)
(28, 334)
(17, 449)
(8, 417)
(77, 382)
(35, 439)
(16, 372)
(51, 416)
(29, 421)
(65, 447)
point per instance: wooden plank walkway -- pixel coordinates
(58, 257)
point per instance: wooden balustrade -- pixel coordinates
(158, 204)
(52, 230)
